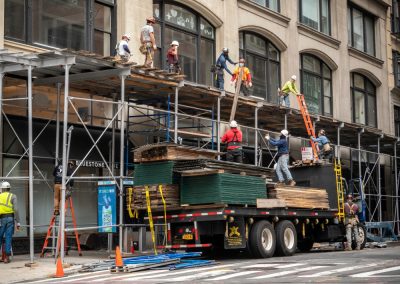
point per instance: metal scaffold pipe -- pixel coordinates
(121, 159)
(1, 123)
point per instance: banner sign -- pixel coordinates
(107, 206)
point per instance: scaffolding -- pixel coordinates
(149, 101)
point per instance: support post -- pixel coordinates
(285, 120)
(121, 161)
(379, 181)
(1, 123)
(58, 124)
(176, 116)
(341, 125)
(255, 136)
(396, 217)
(219, 125)
(64, 164)
(359, 171)
(114, 125)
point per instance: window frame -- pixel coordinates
(89, 28)
(321, 76)
(364, 15)
(163, 24)
(396, 121)
(243, 51)
(365, 93)
(267, 5)
(320, 16)
(395, 18)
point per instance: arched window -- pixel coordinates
(316, 84)
(196, 37)
(363, 95)
(262, 57)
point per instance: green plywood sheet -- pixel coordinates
(154, 173)
(222, 188)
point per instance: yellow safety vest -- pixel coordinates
(6, 206)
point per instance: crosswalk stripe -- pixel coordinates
(291, 265)
(206, 274)
(286, 272)
(234, 275)
(372, 273)
(329, 272)
(262, 265)
(98, 274)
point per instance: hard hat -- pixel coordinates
(225, 50)
(241, 60)
(127, 36)
(322, 132)
(349, 196)
(285, 132)
(151, 20)
(175, 42)
(5, 185)
(71, 162)
(233, 124)
(294, 77)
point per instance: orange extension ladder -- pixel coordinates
(308, 124)
(53, 232)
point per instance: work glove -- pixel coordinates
(250, 84)
(155, 47)
(267, 137)
(18, 226)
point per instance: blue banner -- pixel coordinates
(107, 207)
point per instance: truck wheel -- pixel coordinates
(362, 233)
(286, 238)
(305, 245)
(262, 239)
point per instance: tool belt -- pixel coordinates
(7, 215)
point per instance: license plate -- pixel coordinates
(187, 237)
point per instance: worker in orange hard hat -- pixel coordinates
(148, 41)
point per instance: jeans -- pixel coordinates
(220, 80)
(285, 99)
(7, 231)
(234, 155)
(282, 168)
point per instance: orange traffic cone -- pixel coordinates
(118, 258)
(60, 269)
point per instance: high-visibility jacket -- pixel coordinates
(6, 206)
(246, 76)
(233, 137)
(290, 87)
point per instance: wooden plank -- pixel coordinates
(270, 203)
(201, 172)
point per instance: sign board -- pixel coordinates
(235, 235)
(307, 153)
(107, 206)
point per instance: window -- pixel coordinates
(397, 120)
(262, 58)
(196, 37)
(316, 15)
(361, 30)
(396, 68)
(394, 16)
(363, 100)
(316, 84)
(271, 4)
(74, 24)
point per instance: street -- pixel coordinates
(369, 265)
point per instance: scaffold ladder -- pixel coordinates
(53, 232)
(339, 189)
(307, 121)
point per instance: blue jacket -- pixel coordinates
(221, 61)
(321, 140)
(282, 143)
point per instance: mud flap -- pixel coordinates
(235, 234)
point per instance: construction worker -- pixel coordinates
(122, 48)
(289, 87)
(220, 66)
(325, 148)
(172, 58)
(283, 158)
(57, 173)
(351, 221)
(233, 138)
(8, 216)
(148, 41)
(246, 78)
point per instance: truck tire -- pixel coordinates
(362, 232)
(286, 238)
(262, 239)
(305, 245)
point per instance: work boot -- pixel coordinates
(358, 247)
(56, 212)
(7, 259)
(279, 183)
(292, 182)
(348, 248)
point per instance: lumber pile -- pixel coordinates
(300, 197)
(170, 192)
(270, 203)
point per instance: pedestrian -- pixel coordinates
(289, 87)
(325, 148)
(122, 48)
(233, 139)
(8, 217)
(57, 173)
(220, 66)
(283, 158)
(246, 78)
(172, 58)
(148, 41)
(351, 221)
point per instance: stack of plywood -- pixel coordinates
(301, 197)
(170, 193)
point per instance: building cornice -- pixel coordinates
(264, 12)
(318, 36)
(365, 57)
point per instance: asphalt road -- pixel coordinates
(378, 265)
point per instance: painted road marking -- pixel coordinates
(329, 272)
(372, 273)
(235, 275)
(262, 265)
(277, 274)
(206, 274)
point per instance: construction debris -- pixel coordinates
(300, 197)
(170, 193)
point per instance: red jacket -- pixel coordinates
(232, 135)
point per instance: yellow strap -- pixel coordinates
(134, 213)
(304, 230)
(165, 212)
(153, 236)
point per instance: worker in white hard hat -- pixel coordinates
(283, 158)
(8, 217)
(122, 48)
(289, 87)
(233, 139)
(220, 66)
(172, 58)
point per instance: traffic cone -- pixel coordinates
(60, 269)
(118, 258)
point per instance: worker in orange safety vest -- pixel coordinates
(246, 78)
